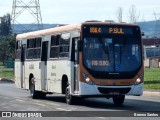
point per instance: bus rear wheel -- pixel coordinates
(118, 99)
(36, 94)
(33, 92)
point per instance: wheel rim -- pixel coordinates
(67, 95)
(32, 90)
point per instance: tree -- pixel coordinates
(119, 14)
(5, 26)
(133, 15)
(7, 40)
(7, 48)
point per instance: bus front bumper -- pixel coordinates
(95, 90)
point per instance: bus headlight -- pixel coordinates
(87, 79)
(139, 79)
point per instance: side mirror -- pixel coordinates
(142, 34)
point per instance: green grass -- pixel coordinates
(1, 67)
(1, 64)
(152, 78)
(7, 74)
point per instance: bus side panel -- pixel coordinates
(56, 69)
(33, 67)
(17, 74)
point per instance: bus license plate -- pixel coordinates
(114, 93)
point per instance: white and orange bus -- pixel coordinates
(90, 59)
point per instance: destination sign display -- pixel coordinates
(95, 30)
(111, 30)
(114, 30)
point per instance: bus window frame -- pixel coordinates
(54, 46)
(59, 45)
(33, 48)
(18, 49)
(65, 45)
(37, 47)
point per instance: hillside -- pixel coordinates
(19, 29)
(148, 27)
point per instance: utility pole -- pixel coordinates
(26, 12)
(157, 17)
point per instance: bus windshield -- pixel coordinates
(112, 51)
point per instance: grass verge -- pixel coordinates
(152, 78)
(7, 74)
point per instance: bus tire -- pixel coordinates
(69, 97)
(34, 94)
(118, 100)
(41, 95)
(80, 100)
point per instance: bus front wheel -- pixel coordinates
(69, 97)
(118, 99)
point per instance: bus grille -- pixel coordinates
(114, 90)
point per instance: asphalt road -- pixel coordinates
(14, 99)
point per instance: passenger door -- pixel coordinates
(44, 58)
(23, 52)
(75, 59)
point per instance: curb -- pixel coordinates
(7, 80)
(151, 93)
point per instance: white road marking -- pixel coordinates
(20, 100)
(6, 97)
(11, 101)
(96, 116)
(102, 117)
(53, 104)
(63, 109)
(39, 104)
(6, 107)
(47, 103)
(17, 97)
(3, 104)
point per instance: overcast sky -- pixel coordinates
(76, 11)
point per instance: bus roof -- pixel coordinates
(60, 29)
(48, 31)
(109, 23)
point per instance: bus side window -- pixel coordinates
(54, 51)
(30, 49)
(37, 48)
(18, 50)
(64, 45)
